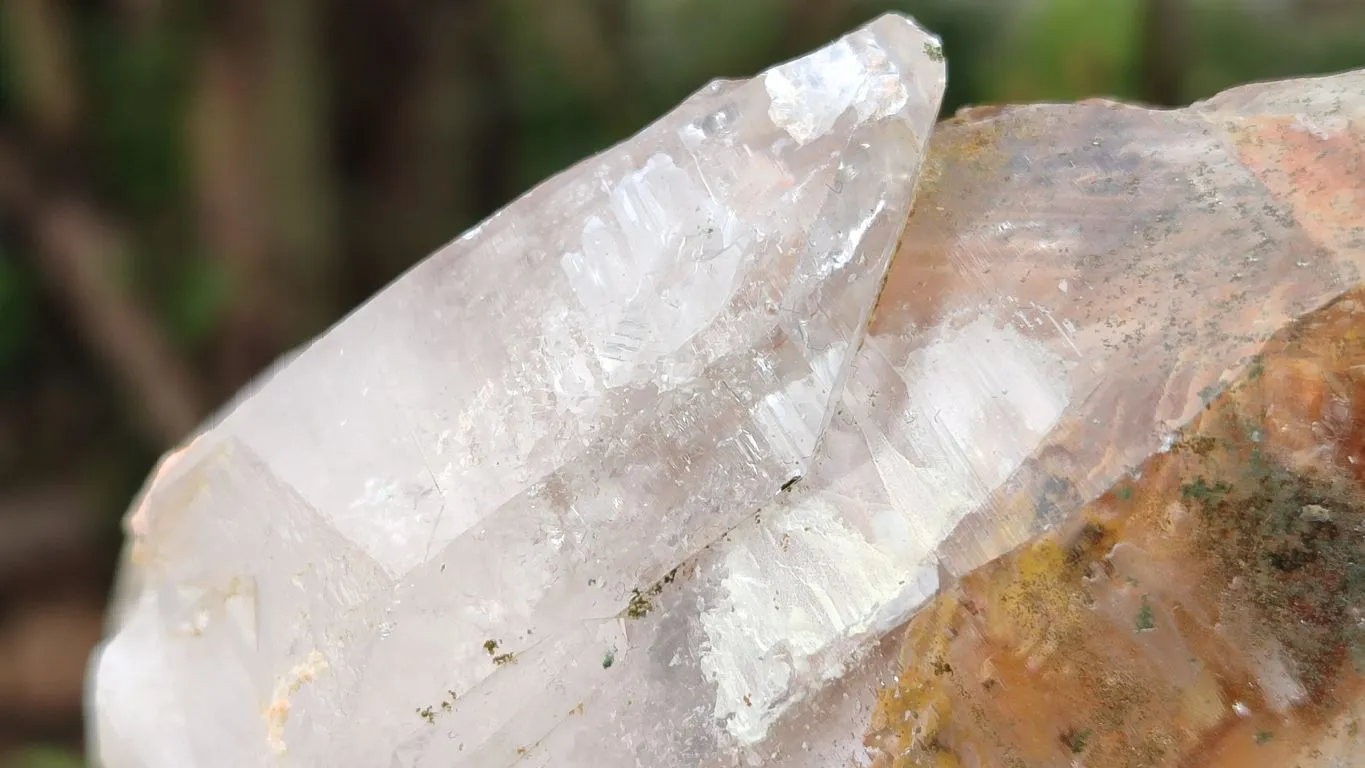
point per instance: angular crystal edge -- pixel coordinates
(818, 280)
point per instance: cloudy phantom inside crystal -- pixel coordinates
(424, 540)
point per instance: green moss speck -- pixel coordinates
(1076, 740)
(640, 603)
(1146, 618)
(639, 606)
(1200, 490)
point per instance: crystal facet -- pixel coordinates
(635, 475)
(439, 519)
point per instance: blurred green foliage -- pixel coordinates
(18, 308)
(1230, 48)
(137, 90)
(197, 301)
(45, 757)
(1101, 54)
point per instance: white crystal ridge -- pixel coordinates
(436, 536)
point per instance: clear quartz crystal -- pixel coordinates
(440, 535)
(619, 479)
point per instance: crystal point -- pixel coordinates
(440, 518)
(671, 463)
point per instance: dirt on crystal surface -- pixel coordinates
(1174, 575)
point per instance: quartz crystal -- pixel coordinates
(421, 541)
(635, 474)
(1135, 341)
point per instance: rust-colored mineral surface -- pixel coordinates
(1173, 574)
(1208, 611)
(645, 471)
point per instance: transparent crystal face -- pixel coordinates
(441, 516)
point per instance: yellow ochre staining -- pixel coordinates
(1200, 613)
(278, 710)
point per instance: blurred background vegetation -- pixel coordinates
(189, 189)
